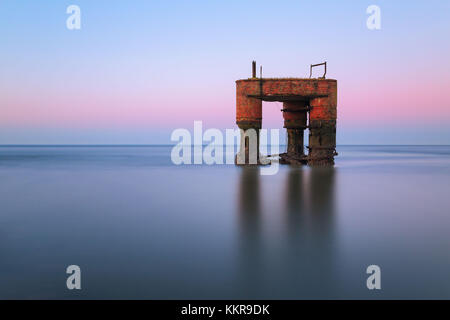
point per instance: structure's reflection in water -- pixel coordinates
(294, 258)
(142, 228)
(250, 230)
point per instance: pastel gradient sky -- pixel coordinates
(139, 69)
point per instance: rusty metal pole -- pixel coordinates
(254, 69)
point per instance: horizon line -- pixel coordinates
(170, 145)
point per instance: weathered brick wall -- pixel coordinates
(325, 108)
(301, 87)
(248, 110)
(322, 128)
(320, 94)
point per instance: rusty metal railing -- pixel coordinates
(318, 64)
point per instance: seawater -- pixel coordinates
(140, 227)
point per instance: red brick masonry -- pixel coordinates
(316, 96)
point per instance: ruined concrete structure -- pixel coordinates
(316, 97)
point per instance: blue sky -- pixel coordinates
(139, 69)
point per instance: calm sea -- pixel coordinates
(140, 227)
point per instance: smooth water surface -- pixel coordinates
(141, 227)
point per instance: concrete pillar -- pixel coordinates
(295, 115)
